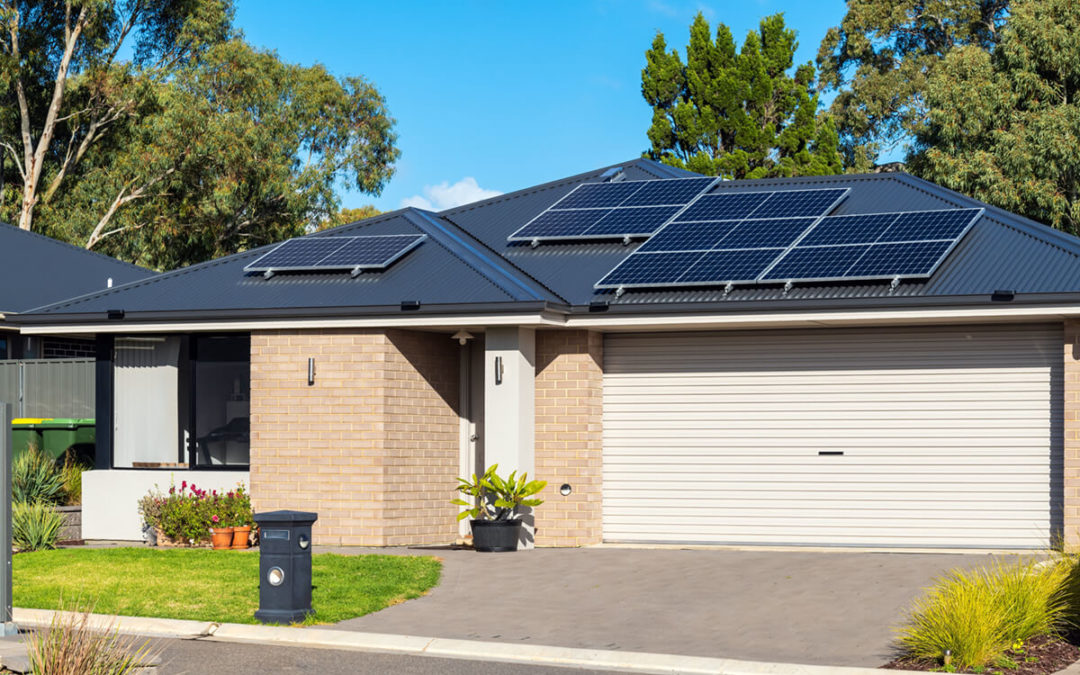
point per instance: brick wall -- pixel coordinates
(1071, 469)
(371, 446)
(569, 408)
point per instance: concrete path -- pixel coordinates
(779, 606)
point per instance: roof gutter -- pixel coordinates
(430, 316)
(959, 309)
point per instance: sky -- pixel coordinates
(491, 97)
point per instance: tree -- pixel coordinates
(1005, 127)
(879, 58)
(213, 148)
(348, 215)
(60, 73)
(738, 114)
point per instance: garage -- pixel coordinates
(935, 436)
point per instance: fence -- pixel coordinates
(48, 387)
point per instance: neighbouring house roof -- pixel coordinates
(467, 265)
(36, 270)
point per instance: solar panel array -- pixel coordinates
(614, 210)
(372, 252)
(744, 238)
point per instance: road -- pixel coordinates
(201, 657)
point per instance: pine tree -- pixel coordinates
(737, 113)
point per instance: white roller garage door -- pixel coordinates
(936, 436)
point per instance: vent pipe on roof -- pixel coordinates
(108, 283)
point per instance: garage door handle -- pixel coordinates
(830, 452)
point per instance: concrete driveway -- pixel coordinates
(794, 607)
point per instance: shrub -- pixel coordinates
(35, 478)
(71, 646)
(71, 479)
(188, 514)
(978, 614)
(35, 526)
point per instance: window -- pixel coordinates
(221, 382)
(181, 402)
(145, 419)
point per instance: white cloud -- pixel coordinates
(447, 196)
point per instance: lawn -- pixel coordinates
(209, 585)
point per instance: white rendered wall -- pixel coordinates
(110, 499)
(510, 405)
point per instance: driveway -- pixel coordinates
(794, 607)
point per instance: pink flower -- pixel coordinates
(183, 486)
(215, 519)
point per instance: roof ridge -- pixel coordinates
(506, 260)
(482, 259)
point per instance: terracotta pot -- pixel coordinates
(240, 536)
(222, 537)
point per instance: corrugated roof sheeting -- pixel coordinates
(36, 270)
(468, 260)
(1002, 252)
(422, 275)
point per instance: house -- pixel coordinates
(35, 271)
(855, 360)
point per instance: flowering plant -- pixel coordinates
(187, 514)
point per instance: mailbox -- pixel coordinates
(284, 566)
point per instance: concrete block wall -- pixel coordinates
(569, 411)
(371, 445)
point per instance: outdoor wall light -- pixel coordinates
(498, 370)
(276, 576)
(303, 541)
(565, 489)
(311, 371)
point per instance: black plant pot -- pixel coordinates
(495, 535)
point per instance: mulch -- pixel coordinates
(1040, 656)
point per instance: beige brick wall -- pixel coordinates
(569, 408)
(371, 446)
(1071, 469)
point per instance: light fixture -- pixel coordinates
(276, 576)
(498, 370)
(565, 489)
(463, 337)
(311, 371)
(303, 542)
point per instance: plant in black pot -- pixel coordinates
(495, 505)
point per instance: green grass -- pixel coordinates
(209, 585)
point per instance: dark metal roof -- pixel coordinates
(36, 270)
(1003, 251)
(466, 264)
(446, 269)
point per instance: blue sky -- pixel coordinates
(496, 96)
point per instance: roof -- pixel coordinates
(467, 264)
(36, 270)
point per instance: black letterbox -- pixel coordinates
(284, 566)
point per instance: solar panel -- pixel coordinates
(874, 246)
(727, 250)
(371, 252)
(894, 246)
(613, 210)
(799, 203)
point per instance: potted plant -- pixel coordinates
(240, 514)
(222, 536)
(494, 507)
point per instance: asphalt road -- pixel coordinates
(201, 657)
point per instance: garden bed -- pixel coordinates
(205, 585)
(1039, 656)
